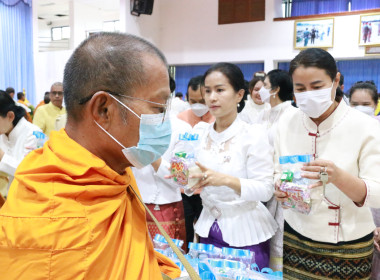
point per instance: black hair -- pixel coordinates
(231, 71)
(194, 84)
(20, 95)
(241, 104)
(254, 81)
(341, 80)
(47, 97)
(10, 90)
(179, 94)
(7, 104)
(281, 79)
(318, 58)
(233, 74)
(172, 84)
(106, 61)
(367, 85)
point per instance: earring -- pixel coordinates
(238, 105)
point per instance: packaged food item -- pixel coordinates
(41, 138)
(295, 186)
(183, 163)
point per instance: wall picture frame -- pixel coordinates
(314, 33)
(369, 30)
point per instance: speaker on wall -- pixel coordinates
(141, 7)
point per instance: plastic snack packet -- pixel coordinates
(294, 185)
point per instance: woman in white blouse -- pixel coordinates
(237, 171)
(16, 139)
(335, 239)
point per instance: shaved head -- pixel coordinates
(112, 62)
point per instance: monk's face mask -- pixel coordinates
(154, 138)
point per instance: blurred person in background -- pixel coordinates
(363, 97)
(254, 105)
(46, 116)
(17, 139)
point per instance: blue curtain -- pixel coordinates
(364, 4)
(284, 66)
(359, 70)
(184, 73)
(315, 7)
(16, 47)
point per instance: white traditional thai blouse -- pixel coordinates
(243, 151)
(351, 140)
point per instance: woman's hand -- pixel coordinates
(2, 153)
(350, 185)
(314, 169)
(209, 177)
(280, 195)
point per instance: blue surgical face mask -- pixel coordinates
(155, 134)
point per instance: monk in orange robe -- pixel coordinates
(71, 211)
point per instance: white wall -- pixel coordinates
(187, 31)
(190, 34)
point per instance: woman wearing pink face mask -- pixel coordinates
(335, 239)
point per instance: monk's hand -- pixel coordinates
(312, 170)
(208, 177)
(376, 238)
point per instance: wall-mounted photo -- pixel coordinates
(315, 33)
(369, 34)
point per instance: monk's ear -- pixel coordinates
(101, 107)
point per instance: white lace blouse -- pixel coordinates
(243, 151)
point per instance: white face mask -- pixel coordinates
(265, 94)
(366, 110)
(199, 109)
(314, 102)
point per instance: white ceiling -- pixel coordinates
(49, 9)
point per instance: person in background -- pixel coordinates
(45, 101)
(363, 97)
(17, 139)
(197, 113)
(198, 110)
(335, 240)
(278, 93)
(11, 92)
(162, 196)
(178, 105)
(73, 210)
(254, 104)
(237, 171)
(45, 117)
(21, 102)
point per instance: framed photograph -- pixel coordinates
(314, 33)
(372, 50)
(369, 34)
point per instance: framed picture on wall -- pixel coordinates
(369, 30)
(314, 33)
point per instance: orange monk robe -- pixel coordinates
(39, 105)
(70, 216)
(28, 116)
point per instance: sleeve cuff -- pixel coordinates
(366, 196)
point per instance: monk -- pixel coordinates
(72, 210)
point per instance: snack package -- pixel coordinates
(182, 163)
(296, 187)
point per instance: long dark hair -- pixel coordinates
(234, 76)
(320, 59)
(7, 104)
